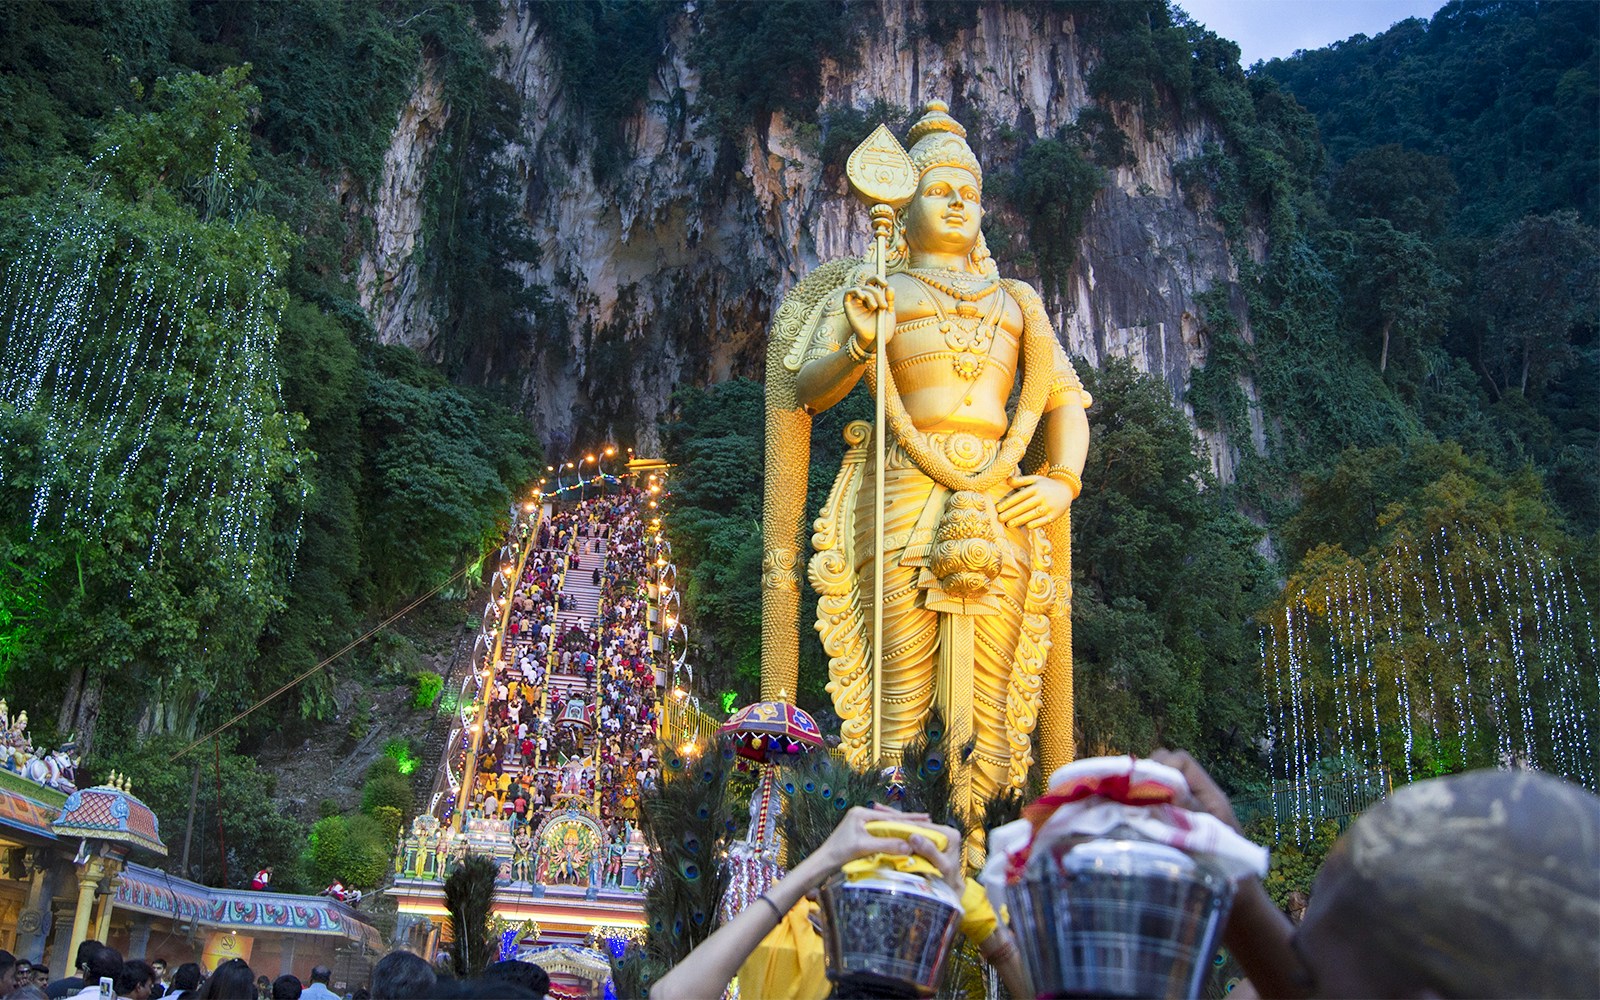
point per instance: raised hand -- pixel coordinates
(862, 303)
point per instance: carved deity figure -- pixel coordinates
(977, 485)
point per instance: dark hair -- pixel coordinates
(104, 963)
(85, 952)
(481, 989)
(321, 974)
(232, 980)
(869, 986)
(41, 967)
(401, 975)
(187, 977)
(286, 988)
(7, 960)
(525, 974)
(133, 975)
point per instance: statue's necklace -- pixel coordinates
(960, 285)
(968, 335)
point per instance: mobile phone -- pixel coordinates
(108, 989)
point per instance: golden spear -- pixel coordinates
(882, 175)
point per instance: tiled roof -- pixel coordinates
(104, 813)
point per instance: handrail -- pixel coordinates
(469, 775)
(594, 691)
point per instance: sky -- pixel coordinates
(1267, 29)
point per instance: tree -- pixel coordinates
(1537, 285)
(1165, 579)
(1394, 287)
(256, 832)
(151, 470)
(1412, 191)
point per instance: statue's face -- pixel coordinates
(945, 214)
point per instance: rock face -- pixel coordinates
(389, 278)
(669, 272)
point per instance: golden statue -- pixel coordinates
(975, 528)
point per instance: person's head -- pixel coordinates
(135, 980)
(321, 974)
(41, 975)
(482, 988)
(85, 952)
(286, 988)
(232, 980)
(159, 967)
(263, 986)
(187, 977)
(401, 975)
(21, 975)
(1477, 884)
(8, 966)
(524, 974)
(104, 963)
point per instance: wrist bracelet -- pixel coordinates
(1062, 474)
(857, 354)
(768, 900)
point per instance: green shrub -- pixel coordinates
(326, 850)
(425, 688)
(385, 786)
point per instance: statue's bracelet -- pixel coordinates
(1061, 473)
(857, 355)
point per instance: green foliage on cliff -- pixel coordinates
(1461, 243)
(756, 59)
(608, 51)
(1166, 577)
(232, 789)
(714, 523)
(245, 166)
(1054, 188)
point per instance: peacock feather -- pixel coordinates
(687, 821)
(818, 790)
(469, 899)
(926, 762)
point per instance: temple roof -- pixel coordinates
(151, 891)
(106, 813)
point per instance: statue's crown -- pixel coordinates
(937, 140)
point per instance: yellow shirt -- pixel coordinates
(789, 963)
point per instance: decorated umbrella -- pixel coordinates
(766, 734)
(771, 732)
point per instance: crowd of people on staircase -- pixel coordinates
(572, 712)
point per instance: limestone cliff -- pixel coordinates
(668, 272)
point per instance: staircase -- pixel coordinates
(581, 599)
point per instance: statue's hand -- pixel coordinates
(862, 304)
(1034, 502)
